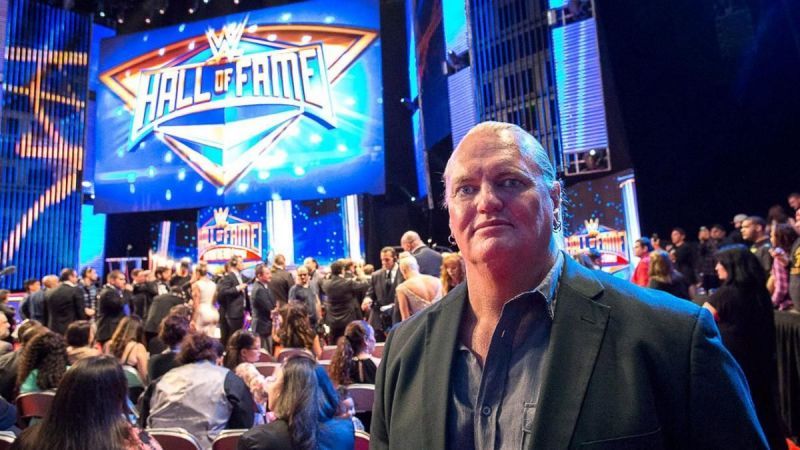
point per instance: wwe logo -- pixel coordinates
(592, 226)
(226, 44)
(221, 217)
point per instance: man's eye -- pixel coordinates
(466, 190)
(511, 183)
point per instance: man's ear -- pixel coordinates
(555, 196)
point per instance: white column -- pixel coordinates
(352, 228)
(280, 231)
(631, 208)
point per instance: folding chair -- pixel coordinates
(362, 441)
(267, 368)
(264, 356)
(227, 440)
(174, 438)
(33, 405)
(328, 351)
(6, 439)
(289, 352)
(378, 350)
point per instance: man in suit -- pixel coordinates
(281, 280)
(535, 351)
(429, 260)
(111, 305)
(232, 299)
(64, 304)
(342, 305)
(381, 293)
(159, 309)
(263, 304)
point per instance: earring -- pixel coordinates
(451, 240)
(556, 223)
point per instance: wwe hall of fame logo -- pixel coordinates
(223, 100)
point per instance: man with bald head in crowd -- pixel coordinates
(429, 260)
(535, 351)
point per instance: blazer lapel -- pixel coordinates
(441, 336)
(575, 339)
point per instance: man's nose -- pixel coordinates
(489, 199)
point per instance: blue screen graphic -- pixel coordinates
(319, 231)
(93, 239)
(280, 103)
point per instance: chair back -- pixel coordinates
(227, 440)
(326, 363)
(33, 404)
(378, 350)
(6, 439)
(264, 356)
(363, 396)
(328, 351)
(174, 439)
(362, 441)
(266, 369)
(289, 352)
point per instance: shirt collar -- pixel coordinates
(548, 287)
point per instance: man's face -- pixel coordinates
(794, 202)
(73, 278)
(500, 208)
(302, 276)
(387, 260)
(639, 250)
(265, 276)
(118, 282)
(91, 275)
(716, 233)
(34, 287)
(5, 327)
(750, 231)
(677, 237)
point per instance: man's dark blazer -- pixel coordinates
(142, 298)
(280, 284)
(263, 304)
(429, 260)
(62, 306)
(382, 296)
(627, 368)
(110, 311)
(159, 309)
(232, 302)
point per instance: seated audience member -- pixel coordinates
(452, 271)
(205, 320)
(9, 363)
(294, 330)
(243, 347)
(257, 385)
(664, 278)
(127, 345)
(80, 341)
(347, 408)
(743, 312)
(88, 413)
(173, 329)
(158, 310)
(353, 362)
(418, 291)
(8, 417)
(305, 404)
(43, 363)
(199, 395)
(5, 335)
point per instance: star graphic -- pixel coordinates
(224, 151)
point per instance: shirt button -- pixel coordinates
(486, 410)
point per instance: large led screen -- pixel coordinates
(281, 103)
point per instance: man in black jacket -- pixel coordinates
(64, 304)
(111, 305)
(232, 299)
(263, 303)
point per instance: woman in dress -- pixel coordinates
(418, 291)
(742, 309)
(88, 413)
(203, 289)
(353, 361)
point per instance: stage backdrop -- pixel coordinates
(280, 103)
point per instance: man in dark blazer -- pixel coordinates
(537, 352)
(232, 299)
(342, 305)
(263, 303)
(429, 260)
(281, 281)
(64, 304)
(111, 303)
(380, 293)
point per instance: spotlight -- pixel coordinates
(205, 1)
(191, 10)
(102, 13)
(120, 18)
(161, 11)
(235, 2)
(147, 20)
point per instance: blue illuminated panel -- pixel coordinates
(558, 4)
(579, 87)
(280, 103)
(319, 230)
(93, 239)
(41, 139)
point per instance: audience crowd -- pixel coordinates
(198, 351)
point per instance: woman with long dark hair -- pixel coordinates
(743, 310)
(43, 364)
(243, 347)
(782, 238)
(127, 344)
(293, 330)
(353, 362)
(306, 417)
(88, 412)
(664, 277)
